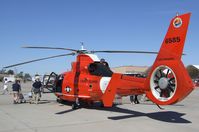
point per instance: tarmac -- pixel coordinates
(51, 116)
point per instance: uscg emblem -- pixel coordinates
(177, 22)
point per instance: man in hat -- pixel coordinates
(36, 89)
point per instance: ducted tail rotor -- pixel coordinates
(163, 83)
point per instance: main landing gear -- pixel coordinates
(76, 104)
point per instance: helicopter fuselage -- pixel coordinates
(89, 78)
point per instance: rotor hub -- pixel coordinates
(163, 83)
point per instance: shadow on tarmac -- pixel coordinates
(63, 112)
(164, 116)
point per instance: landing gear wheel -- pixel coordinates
(59, 100)
(75, 106)
(163, 83)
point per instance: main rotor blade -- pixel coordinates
(26, 62)
(124, 51)
(94, 51)
(41, 47)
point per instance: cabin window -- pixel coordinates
(100, 69)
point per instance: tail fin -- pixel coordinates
(168, 80)
(173, 44)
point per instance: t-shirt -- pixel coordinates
(37, 84)
(16, 87)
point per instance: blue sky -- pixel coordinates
(100, 24)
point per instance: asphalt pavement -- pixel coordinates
(51, 116)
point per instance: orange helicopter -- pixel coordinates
(91, 80)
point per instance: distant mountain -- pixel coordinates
(130, 69)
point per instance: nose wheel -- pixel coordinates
(163, 83)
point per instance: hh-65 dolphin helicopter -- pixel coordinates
(91, 80)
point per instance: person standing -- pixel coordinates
(134, 99)
(16, 88)
(5, 86)
(36, 90)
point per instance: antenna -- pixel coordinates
(82, 46)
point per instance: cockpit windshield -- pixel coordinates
(100, 69)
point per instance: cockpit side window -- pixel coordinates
(100, 69)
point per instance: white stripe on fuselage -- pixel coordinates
(93, 57)
(104, 81)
